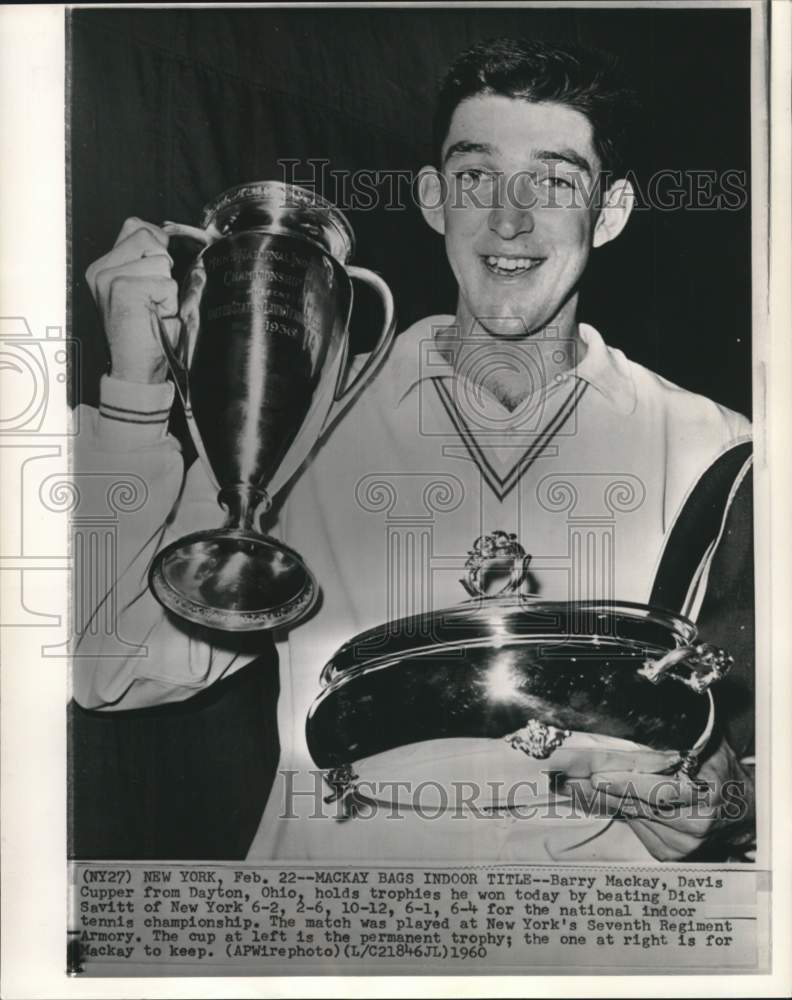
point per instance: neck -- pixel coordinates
(511, 368)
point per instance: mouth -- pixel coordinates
(511, 267)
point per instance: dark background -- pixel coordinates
(169, 107)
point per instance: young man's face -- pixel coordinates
(518, 216)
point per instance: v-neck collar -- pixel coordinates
(417, 358)
(502, 467)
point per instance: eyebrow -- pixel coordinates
(466, 146)
(565, 156)
(556, 155)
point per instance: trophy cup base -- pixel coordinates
(237, 581)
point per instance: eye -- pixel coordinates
(474, 174)
(554, 181)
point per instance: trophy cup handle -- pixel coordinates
(344, 395)
(177, 368)
(180, 375)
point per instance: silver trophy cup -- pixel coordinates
(261, 368)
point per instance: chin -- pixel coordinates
(507, 322)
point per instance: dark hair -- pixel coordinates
(587, 80)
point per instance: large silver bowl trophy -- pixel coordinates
(261, 370)
(506, 669)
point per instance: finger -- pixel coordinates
(587, 801)
(588, 841)
(155, 266)
(664, 843)
(694, 819)
(590, 801)
(133, 224)
(579, 763)
(129, 295)
(141, 243)
(657, 790)
(693, 825)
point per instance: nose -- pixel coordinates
(509, 221)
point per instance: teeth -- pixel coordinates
(510, 263)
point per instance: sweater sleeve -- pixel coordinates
(131, 653)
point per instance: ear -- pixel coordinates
(619, 201)
(432, 190)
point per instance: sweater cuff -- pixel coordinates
(133, 414)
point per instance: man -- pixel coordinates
(510, 415)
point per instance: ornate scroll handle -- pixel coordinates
(343, 783)
(496, 551)
(537, 739)
(707, 664)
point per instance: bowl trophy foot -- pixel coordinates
(233, 579)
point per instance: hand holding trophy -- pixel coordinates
(260, 366)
